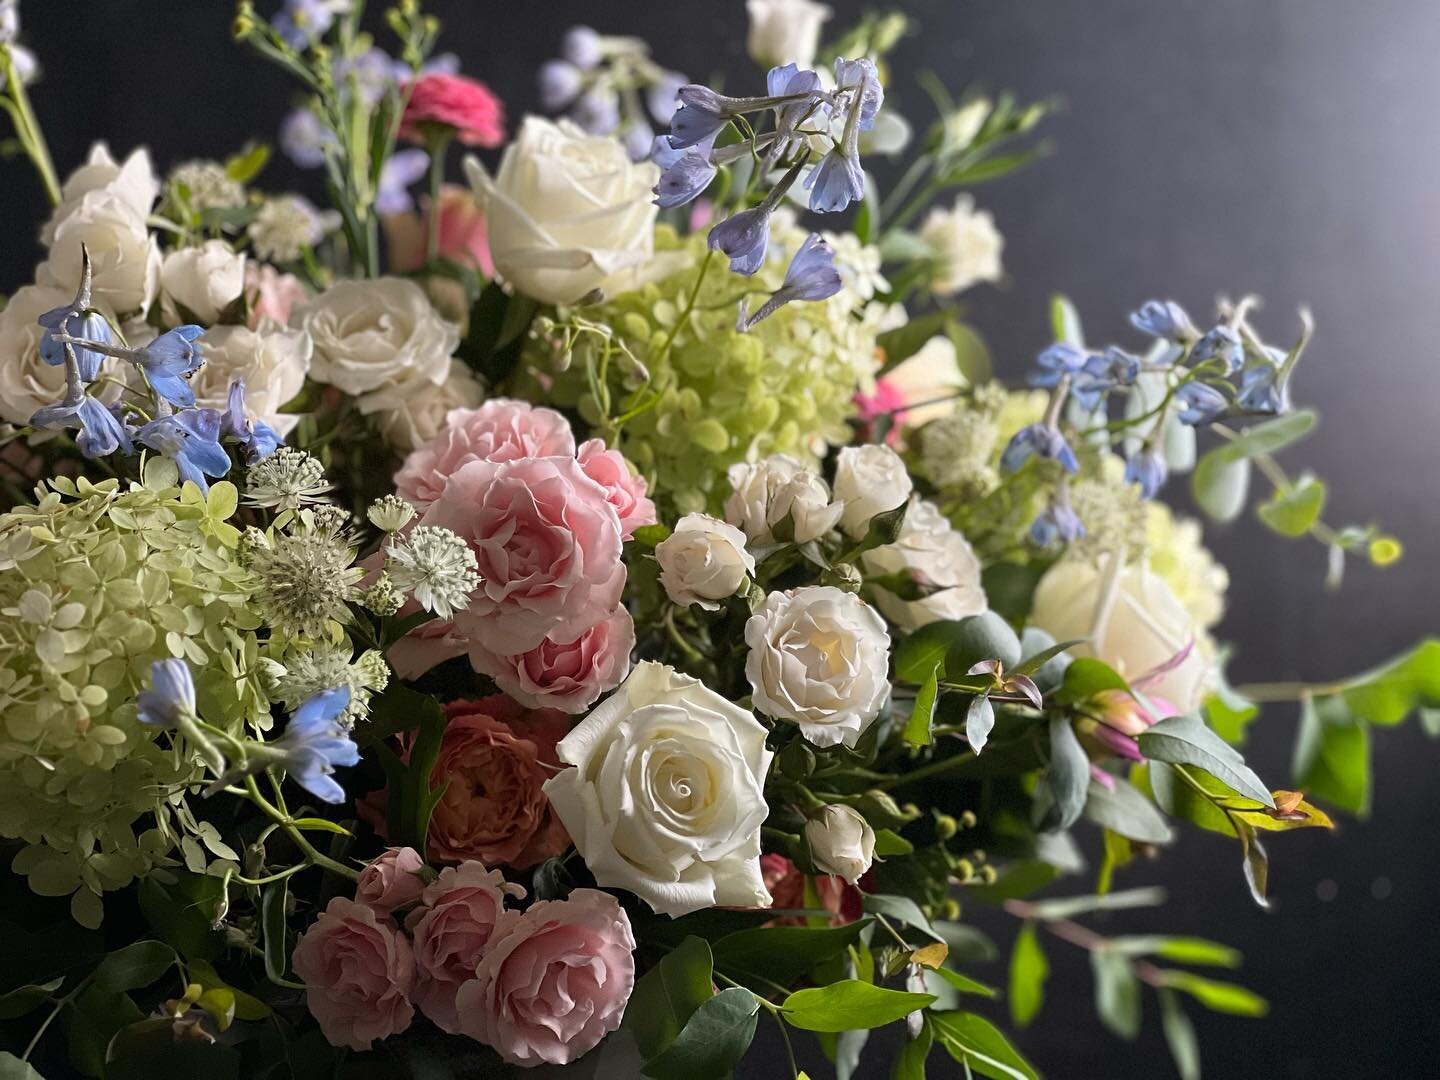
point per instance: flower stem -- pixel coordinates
(925, 772)
(437, 142)
(27, 128)
(252, 789)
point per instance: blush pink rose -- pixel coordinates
(453, 101)
(499, 430)
(786, 885)
(271, 294)
(547, 546)
(463, 237)
(463, 908)
(432, 642)
(494, 760)
(555, 984)
(358, 971)
(568, 675)
(624, 489)
(391, 880)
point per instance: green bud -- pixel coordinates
(797, 761)
(945, 826)
(967, 819)
(952, 908)
(964, 870)
(988, 875)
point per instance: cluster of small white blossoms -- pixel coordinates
(286, 480)
(326, 666)
(205, 185)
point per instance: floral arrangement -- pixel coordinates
(578, 615)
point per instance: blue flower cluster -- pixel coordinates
(79, 338)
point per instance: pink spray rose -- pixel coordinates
(358, 971)
(453, 101)
(271, 294)
(555, 984)
(391, 880)
(463, 238)
(624, 489)
(547, 543)
(565, 675)
(463, 909)
(499, 430)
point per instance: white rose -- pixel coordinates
(966, 244)
(784, 31)
(567, 212)
(413, 411)
(841, 842)
(124, 257)
(936, 557)
(204, 280)
(272, 360)
(666, 794)
(370, 335)
(765, 492)
(134, 183)
(702, 561)
(1145, 630)
(869, 480)
(819, 657)
(27, 383)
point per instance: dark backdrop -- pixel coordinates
(1287, 148)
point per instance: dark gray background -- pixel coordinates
(1284, 147)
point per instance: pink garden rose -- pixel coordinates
(391, 880)
(462, 910)
(624, 489)
(494, 758)
(564, 675)
(358, 971)
(499, 430)
(786, 885)
(547, 543)
(463, 238)
(453, 101)
(271, 294)
(555, 983)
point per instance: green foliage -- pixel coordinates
(1124, 810)
(1067, 778)
(779, 955)
(1179, 1036)
(410, 797)
(1185, 740)
(713, 1040)
(1295, 510)
(1028, 971)
(1218, 996)
(974, 1041)
(667, 995)
(850, 1004)
(1117, 993)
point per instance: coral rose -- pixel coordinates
(463, 909)
(358, 971)
(453, 101)
(555, 984)
(565, 675)
(391, 880)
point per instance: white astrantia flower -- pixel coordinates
(819, 658)
(665, 796)
(390, 513)
(858, 264)
(436, 566)
(937, 558)
(207, 186)
(766, 492)
(966, 246)
(272, 360)
(703, 561)
(784, 31)
(283, 227)
(203, 281)
(841, 842)
(327, 666)
(286, 480)
(869, 480)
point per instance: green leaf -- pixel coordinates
(1117, 993)
(713, 1040)
(1294, 511)
(910, 1061)
(1021, 878)
(1387, 695)
(1033, 662)
(1256, 866)
(922, 715)
(247, 1007)
(922, 652)
(1028, 971)
(1179, 1036)
(134, 966)
(905, 341)
(986, 636)
(97, 1016)
(273, 927)
(1067, 777)
(1067, 907)
(1182, 950)
(316, 824)
(1126, 811)
(974, 1041)
(1185, 740)
(12, 1068)
(410, 799)
(667, 995)
(979, 722)
(1270, 437)
(246, 165)
(1332, 755)
(850, 1004)
(963, 983)
(1220, 485)
(889, 843)
(1085, 678)
(1222, 997)
(899, 907)
(1065, 321)
(782, 954)
(183, 913)
(1228, 713)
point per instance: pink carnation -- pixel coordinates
(499, 430)
(564, 675)
(358, 971)
(624, 489)
(463, 909)
(555, 984)
(453, 101)
(547, 543)
(391, 880)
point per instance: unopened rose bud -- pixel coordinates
(841, 842)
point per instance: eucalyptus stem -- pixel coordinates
(925, 772)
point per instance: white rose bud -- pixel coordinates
(869, 480)
(567, 213)
(784, 31)
(819, 658)
(936, 556)
(966, 246)
(204, 280)
(841, 842)
(666, 794)
(704, 560)
(767, 491)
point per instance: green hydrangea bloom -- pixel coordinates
(715, 396)
(97, 581)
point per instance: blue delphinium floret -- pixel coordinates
(1222, 343)
(170, 696)
(1043, 440)
(1164, 319)
(1200, 404)
(685, 173)
(811, 276)
(169, 360)
(1147, 468)
(191, 439)
(1057, 523)
(101, 432)
(257, 439)
(315, 744)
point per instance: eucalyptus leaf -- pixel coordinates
(1185, 740)
(1218, 996)
(667, 995)
(1028, 971)
(1179, 1036)
(1220, 485)
(901, 908)
(979, 722)
(1117, 993)
(1295, 510)
(850, 1004)
(1068, 776)
(12, 1068)
(1067, 907)
(1123, 809)
(974, 1041)
(713, 1040)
